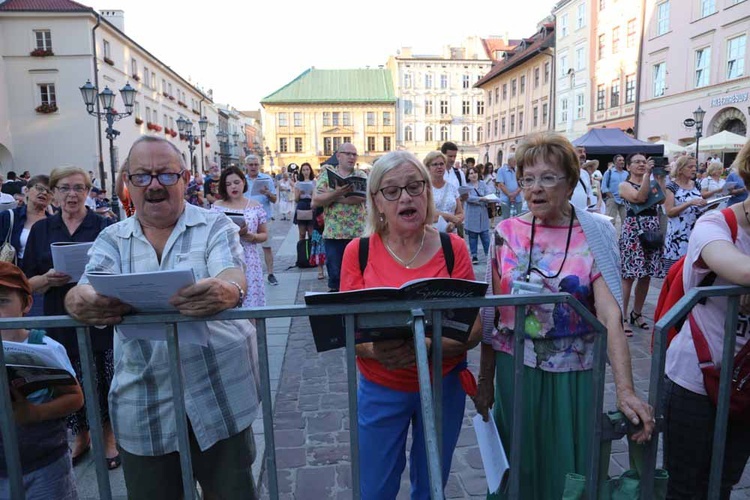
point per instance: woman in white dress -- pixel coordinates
(445, 194)
(232, 186)
(286, 200)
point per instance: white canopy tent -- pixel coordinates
(724, 141)
(670, 148)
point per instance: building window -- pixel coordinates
(337, 143)
(497, 95)
(489, 98)
(563, 25)
(702, 67)
(513, 87)
(523, 83)
(546, 72)
(386, 118)
(479, 134)
(520, 121)
(512, 123)
(466, 107)
(630, 42)
(428, 81)
(629, 89)
(465, 134)
(480, 107)
(536, 77)
(602, 4)
(708, 7)
(166, 121)
(615, 39)
(466, 81)
(347, 119)
(407, 80)
(502, 126)
(133, 67)
(736, 57)
(146, 75)
(545, 113)
(580, 99)
(602, 46)
(386, 143)
(336, 119)
(428, 107)
(408, 134)
(298, 144)
(164, 86)
(107, 51)
(371, 119)
(563, 110)
(662, 18)
(327, 146)
(660, 83)
(283, 120)
(169, 85)
(153, 80)
(47, 94)
(148, 115)
(614, 94)
(563, 65)
(428, 134)
(580, 59)
(535, 117)
(283, 145)
(443, 107)
(297, 119)
(505, 91)
(43, 39)
(326, 118)
(408, 107)
(137, 109)
(601, 97)
(370, 143)
(581, 15)
(443, 81)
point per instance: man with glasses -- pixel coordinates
(344, 213)
(611, 189)
(220, 391)
(266, 198)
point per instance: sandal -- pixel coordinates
(628, 330)
(636, 319)
(321, 275)
(114, 462)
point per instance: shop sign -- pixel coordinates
(731, 99)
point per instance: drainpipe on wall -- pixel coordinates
(553, 77)
(203, 139)
(638, 67)
(102, 173)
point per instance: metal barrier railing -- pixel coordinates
(413, 313)
(656, 384)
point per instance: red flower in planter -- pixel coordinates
(150, 126)
(109, 61)
(182, 137)
(42, 53)
(165, 94)
(167, 131)
(173, 133)
(138, 121)
(135, 77)
(158, 128)
(46, 108)
(196, 141)
(207, 144)
(171, 98)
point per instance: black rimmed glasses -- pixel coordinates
(165, 178)
(546, 181)
(393, 193)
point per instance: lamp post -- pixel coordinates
(186, 129)
(698, 116)
(109, 115)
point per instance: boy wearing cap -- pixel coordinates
(40, 416)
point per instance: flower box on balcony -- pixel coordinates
(182, 104)
(138, 121)
(109, 61)
(196, 141)
(173, 133)
(171, 98)
(150, 126)
(167, 131)
(158, 128)
(165, 94)
(135, 77)
(42, 53)
(46, 109)
(182, 137)
(196, 112)
(207, 144)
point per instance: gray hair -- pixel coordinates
(250, 157)
(152, 139)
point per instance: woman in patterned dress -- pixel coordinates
(445, 194)
(232, 185)
(637, 263)
(683, 207)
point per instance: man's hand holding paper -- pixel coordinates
(87, 306)
(206, 297)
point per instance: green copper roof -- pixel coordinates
(336, 85)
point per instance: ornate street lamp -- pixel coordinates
(698, 116)
(109, 115)
(185, 128)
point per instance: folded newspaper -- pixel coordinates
(30, 368)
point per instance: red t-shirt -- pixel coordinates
(382, 271)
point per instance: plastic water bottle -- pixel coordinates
(512, 209)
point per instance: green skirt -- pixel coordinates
(556, 417)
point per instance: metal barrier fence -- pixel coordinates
(414, 313)
(656, 384)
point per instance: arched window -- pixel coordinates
(428, 134)
(479, 134)
(408, 135)
(465, 134)
(443, 133)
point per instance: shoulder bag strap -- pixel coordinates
(10, 228)
(445, 242)
(364, 253)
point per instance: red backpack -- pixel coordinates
(673, 290)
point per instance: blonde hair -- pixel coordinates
(432, 156)
(742, 163)
(715, 167)
(386, 163)
(681, 163)
(552, 148)
(62, 172)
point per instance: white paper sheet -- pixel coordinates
(150, 292)
(441, 224)
(305, 188)
(70, 258)
(494, 460)
(258, 185)
(492, 197)
(237, 217)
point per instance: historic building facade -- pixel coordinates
(308, 118)
(518, 94)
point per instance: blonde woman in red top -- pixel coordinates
(403, 246)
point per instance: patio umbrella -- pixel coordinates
(721, 142)
(671, 148)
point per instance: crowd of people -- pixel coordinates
(549, 220)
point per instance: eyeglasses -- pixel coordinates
(41, 188)
(76, 189)
(393, 193)
(546, 181)
(165, 179)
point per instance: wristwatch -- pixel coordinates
(242, 293)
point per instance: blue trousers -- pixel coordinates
(484, 236)
(384, 419)
(334, 256)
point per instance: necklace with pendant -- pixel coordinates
(406, 264)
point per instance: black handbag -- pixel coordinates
(650, 240)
